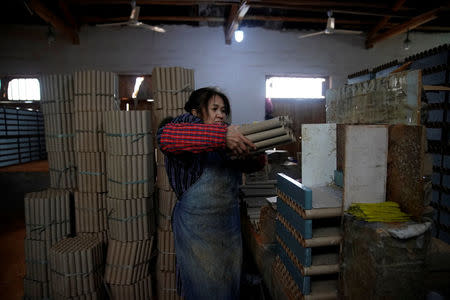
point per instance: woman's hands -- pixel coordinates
(237, 142)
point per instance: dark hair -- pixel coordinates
(165, 121)
(198, 100)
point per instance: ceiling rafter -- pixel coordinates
(257, 3)
(401, 28)
(379, 19)
(93, 19)
(235, 17)
(67, 14)
(50, 17)
(385, 20)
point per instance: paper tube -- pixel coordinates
(275, 141)
(247, 129)
(264, 135)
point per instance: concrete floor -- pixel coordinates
(12, 259)
(15, 182)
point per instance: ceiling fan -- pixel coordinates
(330, 29)
(133, 21)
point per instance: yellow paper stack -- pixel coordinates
(378, 212)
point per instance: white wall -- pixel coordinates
(239, 69)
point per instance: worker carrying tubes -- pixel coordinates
(204, 158)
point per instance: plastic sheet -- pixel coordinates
(393, 99)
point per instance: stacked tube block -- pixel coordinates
(166, 259)
(269, 133)
(57, 106)
(127, 262)
(171, 89)
(94, 93)
(306, 251)
(90, 212)
(76, 268)
(131, 217)
(47, 220)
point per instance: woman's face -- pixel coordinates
(215, 112)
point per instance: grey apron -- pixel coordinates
(207, 231)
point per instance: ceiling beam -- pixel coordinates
(152, 2)
(401, 28)
(385, 20)
(67, 14)
(305, 20)
(98, 20)
(48, 16)
(257, 3)
(235, 17)
(95, 20)
(327, 4)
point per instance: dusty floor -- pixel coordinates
(12, 258)
(15, 181)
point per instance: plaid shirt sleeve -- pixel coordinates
(186, 133)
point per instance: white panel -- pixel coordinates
(365, 169)
(318, 154)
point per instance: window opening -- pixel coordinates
(295, 87)
(24, 89)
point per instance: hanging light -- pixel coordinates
(407, 42)
(238, 36)
(50, 35)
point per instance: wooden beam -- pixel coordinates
(257, 3)
(96, 20)
(305, 20)
(402, 68)
(67, 14)
(49, 17)
(385, 19)
(93, 19)
(436, 88)
(401, 28)
(235, 17)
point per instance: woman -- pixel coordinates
(206, 224)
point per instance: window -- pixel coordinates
(24, 89)
(295, 87)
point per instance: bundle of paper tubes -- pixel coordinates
(127, 262)
(47, 220)
(269, 133)
(76, 268)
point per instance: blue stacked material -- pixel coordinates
(339, 178)
(435, 59)
(434, 77)
(295, 232)
(304, 227)
(303, 282)
(296, 191)
(303, 255)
